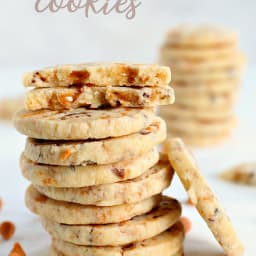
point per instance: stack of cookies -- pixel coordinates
(91, 155)
(206, 72)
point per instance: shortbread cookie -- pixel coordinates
(84, 176)
(99, 74)
(203, 198)
(165, 244)
(237, 59)
(190, 88)
(192, 125)
(75, 214)
(244, 174)
(216, 101)
(200, 140)
(59, 98)
(185, 112)
(137, 229)
(193, 36)
(151, 183)
(82, 124)
(54, 252)
(96, 152)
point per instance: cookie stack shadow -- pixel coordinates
(206, 68)
(91, 155)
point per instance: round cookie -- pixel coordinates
(151, 183)
(99, 74)
(194, 126)
(201, 36)
(96, 152)
(90, 175)
(137, 229)
(165, 244)
(82, 124)
(59, 98)
(203, 198)
(75, 214)
(184, 112)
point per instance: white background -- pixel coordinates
(29, 40)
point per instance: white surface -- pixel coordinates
(29, 38)
(239, 201)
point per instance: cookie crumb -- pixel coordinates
(17, 250)
(189, 202)
(1, 203)
(186, 222)
(7, 230)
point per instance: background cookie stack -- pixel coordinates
(96, 173)
(206, 72)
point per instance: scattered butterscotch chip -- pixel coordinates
(1, 203)
(17, 250)
(189, 202)
(7, 230)
(186, 222)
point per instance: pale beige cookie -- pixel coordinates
(59, 98)
(185, 65)
(184, 112)
(165, 244)
(151, 183)
(76, 214)
(192, 125)
(201, 36)
(203, 198)
(192, 88)
(96, 152)
(200, 140)
(137, 229)
(82, 124)
(91, 175)
(54, 252)
(216, 101)
(99, 74)
(244, 174)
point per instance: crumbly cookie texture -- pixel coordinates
(243, 173)
(75, 214)
(203, 198)
(59, 98)
(166, 244)
(151, 183)
(139, 228)
(83, 124)
(99, 74)
(201, 36)
(106, 151)
(85, 176)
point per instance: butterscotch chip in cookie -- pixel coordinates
(99, 74)
(17, 250)
(202, 196)
(7, 230)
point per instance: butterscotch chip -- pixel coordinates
(7, 230)
(202, 196)
(17, 250)
(1, 203)
(99, 74)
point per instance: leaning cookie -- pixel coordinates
(139, 228)
(75, 214)
(105, 151)
(82, 124)
(59, 98)
(203, 198)
(90, 175)
(165, 244)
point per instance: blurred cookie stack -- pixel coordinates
(206, 73)
(93, 161)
